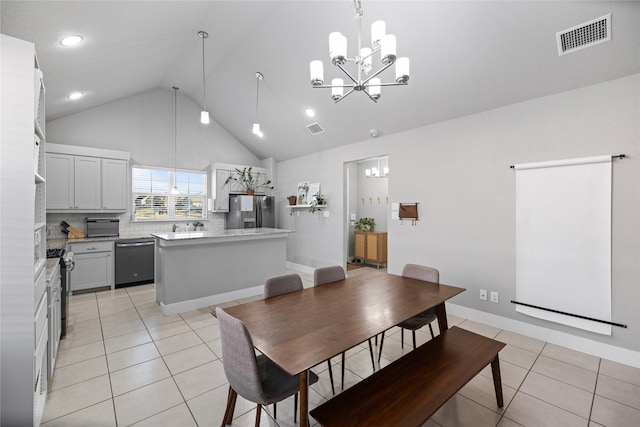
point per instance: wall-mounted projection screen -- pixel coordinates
(563, 240)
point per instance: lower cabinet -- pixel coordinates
(93, 265)
(370, 246)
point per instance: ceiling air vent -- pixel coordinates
(584, 35)
(315, 128)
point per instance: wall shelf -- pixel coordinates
(305, 206)
(293, 208)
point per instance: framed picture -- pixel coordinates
(314, 188)
(303, 192)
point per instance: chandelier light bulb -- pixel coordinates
(374, 88)
(378, 30)
(402, 70)
(337, 48)
(388, 49)
(337, 90)
(256, 128)
(317, 72)
(204, 117)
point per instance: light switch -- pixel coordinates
(353, 217)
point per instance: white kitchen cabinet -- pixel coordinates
(87, 182)
(221, 193)
(54, 312)
(115, 184)
(93, 265)
(86, 179)
(60, 191)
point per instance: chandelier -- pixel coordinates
(365, 80)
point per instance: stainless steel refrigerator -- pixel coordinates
(250, 211)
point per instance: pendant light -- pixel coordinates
(175, 190)
(256, 125)
(204, 114)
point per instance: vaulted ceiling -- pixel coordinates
(466, 57)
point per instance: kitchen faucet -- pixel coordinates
(174, 227)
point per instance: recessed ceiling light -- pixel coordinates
(71, 40)
(310, 113)
(75, 95)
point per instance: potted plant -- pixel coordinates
(292, 200)
(318, 200)
(248, 180)
(365, 224)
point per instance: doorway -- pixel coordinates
(367, 196)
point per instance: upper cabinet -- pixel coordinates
(86, 180)
(220, 191)
(114, 184)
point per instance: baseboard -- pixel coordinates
(299, 267)
(194, 304)
(584, 345)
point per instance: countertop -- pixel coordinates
(62, 243)
(52, 265)
(246, 232)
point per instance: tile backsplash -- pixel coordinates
(215, 222)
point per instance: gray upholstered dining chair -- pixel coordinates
(280, 285)
(284, 284)
(254, 377)
(322, 276)
(428, 274)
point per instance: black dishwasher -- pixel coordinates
(134, 261)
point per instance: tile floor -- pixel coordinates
(124, 363)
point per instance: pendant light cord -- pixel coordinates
(204, 82)
(258, 78)
(175, 129)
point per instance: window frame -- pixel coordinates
(171, 199)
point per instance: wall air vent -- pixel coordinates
(584, 35)
(315, 128)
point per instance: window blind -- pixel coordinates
(152, 198)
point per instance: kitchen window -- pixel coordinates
(152, 198)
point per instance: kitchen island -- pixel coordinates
(200, 268)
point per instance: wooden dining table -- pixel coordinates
(299, 330)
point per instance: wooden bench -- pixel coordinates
(411, 389)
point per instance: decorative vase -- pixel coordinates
(251, 191)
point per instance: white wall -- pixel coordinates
(459, 173)
(143, 125)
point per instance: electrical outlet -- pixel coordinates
(494, 296)
(325, 214)
(483, 294)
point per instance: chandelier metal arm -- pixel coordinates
(347, 73)
(345, 95)
(377, 72)
(393, 84)
(370, 97)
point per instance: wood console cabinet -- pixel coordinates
(370, 246)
